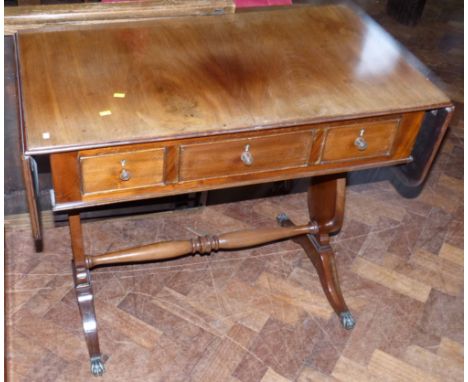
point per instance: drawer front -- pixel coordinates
(121, 170)
(366, 140)
(244, 156)
(92, 177)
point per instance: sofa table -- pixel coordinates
(145, 109)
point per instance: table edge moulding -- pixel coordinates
(138, 110)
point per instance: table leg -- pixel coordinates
(326, 198)
(84, 294)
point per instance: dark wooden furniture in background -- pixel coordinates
(406, 11)
(148, 109)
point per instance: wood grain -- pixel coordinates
(294, 296)
(37, 17)
(223, 158)
(77, 243)
(66, 176)
(340, 142)
(202, 245)
(389, 368)
(218, 164)
(443, 368)
(426, 146)
(206, 75)
(194, 301)
(104, 172)
(392, 279)
(451, 350)
(326, 203)
(32, 198)
(350, 371)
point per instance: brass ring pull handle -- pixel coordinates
(247, 157)
(360, 142)
(124, 174)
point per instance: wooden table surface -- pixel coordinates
(195, 76)
(181, 79)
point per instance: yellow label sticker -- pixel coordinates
(119, 95)
(104, 113)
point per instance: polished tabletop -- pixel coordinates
(95, 86)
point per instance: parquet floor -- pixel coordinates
(255, 315)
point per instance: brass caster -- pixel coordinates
(97, 366)
(347, 320)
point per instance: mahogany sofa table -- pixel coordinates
(141, 110)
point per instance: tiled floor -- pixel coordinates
(257, 315)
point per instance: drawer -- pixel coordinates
(121, 170)
(366, 140)
(244, 156)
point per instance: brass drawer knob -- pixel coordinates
(124, 174)
(247, 157)
(360, 142)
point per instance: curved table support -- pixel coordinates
(152, 252)
(323, 259)
(84, 295)
(326, 198)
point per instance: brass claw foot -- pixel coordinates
(97, 366)
(347, 320)
(323, 258)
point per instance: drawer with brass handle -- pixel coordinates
(246, 155)
(153, 169)
(121, 170)
(366, 140)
